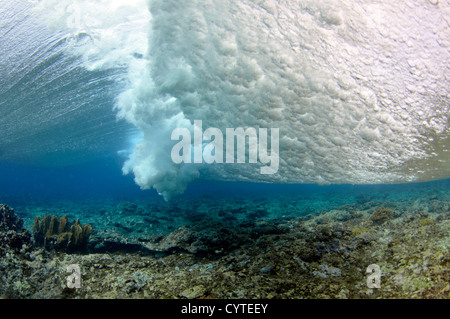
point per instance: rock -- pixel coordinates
(265, 270)
(193, 292)
(200, 239)
(381, 215)
(13, 236)
(308, 254)
(128, 208)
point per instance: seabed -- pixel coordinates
(285, 246)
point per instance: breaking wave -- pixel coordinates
(359, 90)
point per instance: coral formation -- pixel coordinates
(54, 233)
(236, 249)
(381, 215)
(12, 234)
(15, 247)
(212, 238)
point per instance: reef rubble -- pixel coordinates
(250, 254)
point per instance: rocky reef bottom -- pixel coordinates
(242, 250)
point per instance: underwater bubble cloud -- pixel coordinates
(359, 91)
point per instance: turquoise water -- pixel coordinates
(83, 190)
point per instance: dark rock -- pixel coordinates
(128, 208)
(260, 230)
(381, 215)
(308, 254)
(195, 217)
(13, 236)
(259, 213)
(201, 239)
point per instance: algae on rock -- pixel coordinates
(381, 215)
(12, 233)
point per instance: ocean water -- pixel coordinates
(103, 181)
(90, 92)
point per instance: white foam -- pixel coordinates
(106, 34)
(355, 88)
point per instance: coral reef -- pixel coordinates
(208, 238)
(15, 247)
(54, 233)
(13, 236)
(381, 215)
(241, 249)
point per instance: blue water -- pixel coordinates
(102, 180)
